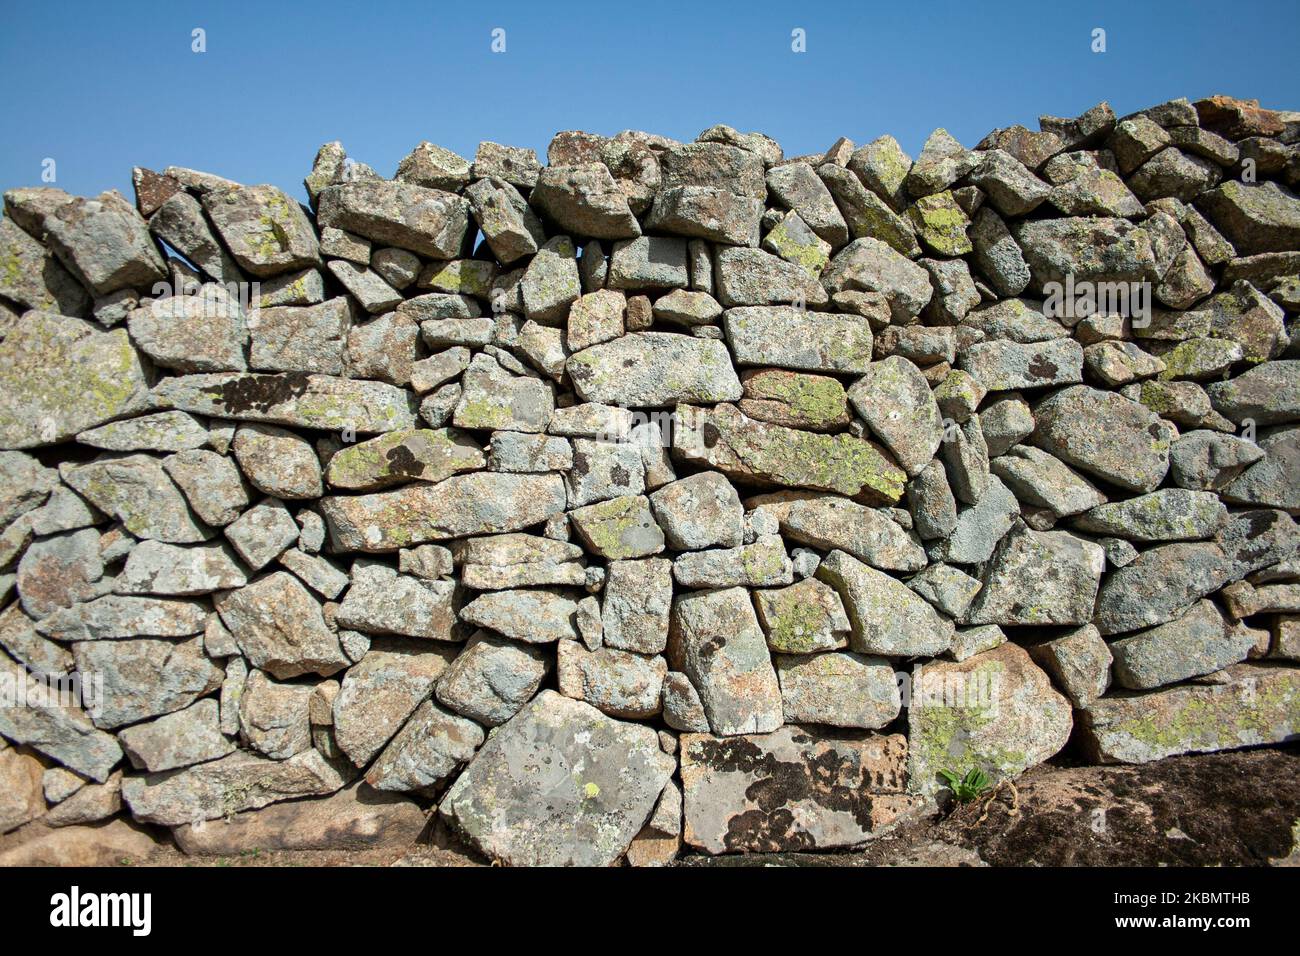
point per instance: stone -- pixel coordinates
(726, 440)
(382, 601)
(262, 533)
(118, 615)
(1268, 394)
(1255, 706)
(428, 749)
(179, 739)
(895, 401)
(648, 262)
(514, 164)
(1039, 578)
(794, 400)
(868, 214)
(619, 528)
(715, 640)
(1041, 481)
(316, 572)
(829, 523)
(752, 277)
(1106, 435)
(33, 276)
(584, 199)
(222, 788)
(792, 790)
(428, 222)
(869, 265)
(104, 242)
(617, 683)
(280, 628)
(1163, 582)
(761, 564)
(380, 692)
(599, 770)
(394, 458)
(61, 376)
(1209, 460)
(550, 283)
(479, 503)
(59, 571)
(996, 711)
(21, 798)
(797, 187)
(885, 617)
(302, 339)
(1012, 189)
(145, 678)
(654, 369)
(941, 224)
(838, 690)
(511, 228)
(1079, 662)
(492, 678)
(1254, 217)
(603, 470)
(519, 560)
(277, 462)
(1271, 481)
(793, 338)
(1171, 514)
(594, 318)
(804, 618)
(153, 567)
(90, 804)
(161, 432)
(535, 616)
(1199, 642)
(948, 589)
(1001, 366)
(638, 599)
(296, 400)
(698, 512)
(1094, 249)
(266, 232)
(30, 647)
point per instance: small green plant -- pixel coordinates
(967, 788)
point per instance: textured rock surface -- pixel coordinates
(506, 472)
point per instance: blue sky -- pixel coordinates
(100, 87)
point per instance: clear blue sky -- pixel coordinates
(100, 87)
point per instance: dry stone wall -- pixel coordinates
(664, 495)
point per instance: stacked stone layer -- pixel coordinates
(666, 494)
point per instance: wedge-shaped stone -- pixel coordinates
(741, 448)
(830, 523)
(1171, 514)
(427, 750)
(1159, 585)
(162, 432)
(895, 400)
(59, 376)
(481, 503)
(1107, 435)
(240, 781)
(1040, 578)
(792, 790)
(885, 616)
(493, 677)
(379, 693)
(1257, 704)
(1200, 642)
(294, 399)
(996, 711)
(536, 616)
(654, 369)
(186, 737)
(715, 640)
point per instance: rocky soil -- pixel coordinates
(662, 499)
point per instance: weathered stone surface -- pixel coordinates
(535, 616)
(794, 338)
(380, 692)
(1105, 434)
(53, 723)
(280, 628)
(1041, 481)
(794, 789)
(221, 788)
(425, 221)
(1079, 662)
(145, 678)
(1157, 587)
(885, 616)
(715, 640)
(1088, 249)
(794, 400)
(894, 399)
(996, 711)
(59, 376)
(869, 265)
(1199, 642)
(59, 571)
(104, 242)
(417, 454)
(265, 230)
(653, 369)
(829, 523)
(1171, 514)
(1256, 705)
(186, 737)
(1267, 394)
(481, 503)
(838, 689)
(492, 678)
(1039, 577)
(382, 601)
(153, 567)
(761, 564)
(21, 799)
(431, 746)
(725, 439)
(1254, 217)
(615, 682)
(297, 400)
(638, 598)
(619, 528)
(1002, 366)
(603, 777)
(803, 618)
